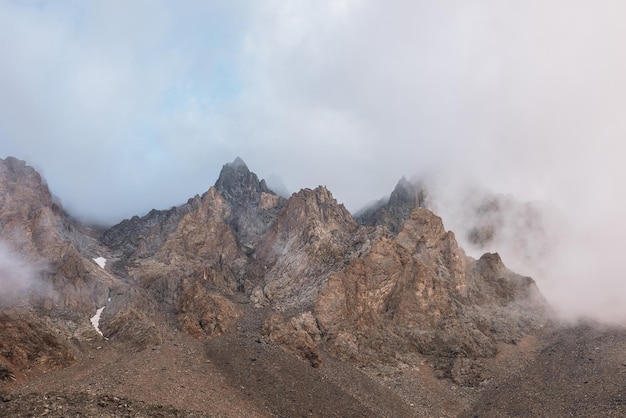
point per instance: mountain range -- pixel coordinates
(242, 302)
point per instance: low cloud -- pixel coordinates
(18, 277)
(576, 260)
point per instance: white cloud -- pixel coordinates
(17, 276)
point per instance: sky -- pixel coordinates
(128, 106)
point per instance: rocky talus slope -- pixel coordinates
(243, 303)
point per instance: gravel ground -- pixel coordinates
(580, 372)
(566, 371)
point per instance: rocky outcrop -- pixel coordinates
(128, 317)
(40, 235)
(211, 237)
(142, 237)
(201, 253)
(300, 335)
(29, 341)
(205, 314)
(202, 246)
(311, 238)
(417, 294)
(54, 255)
(253, 205)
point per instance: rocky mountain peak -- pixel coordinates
(253, 205)
(427, 295)
(409, 194)
(239, 186)
(406, 196)
(310, 239)
(242, 268)
(237, 162)
(21, 186)
(313, 214)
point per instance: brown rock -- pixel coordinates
(46, 239)
(300, 336)
(31, 342)
(310, 239)
(201, 247)
(203, 314)
(415, 292)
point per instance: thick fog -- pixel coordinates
(18, 277)
(126, 106)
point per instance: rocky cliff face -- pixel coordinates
(141, 237)
(66, 285)
(254, 206)
(420, 294)
(190, 256)
(392, 290)
(37, 230)
(311, 238)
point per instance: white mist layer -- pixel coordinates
(17, 276)
(586, 276)
(101, 261)
(95, 320)
(575, 255)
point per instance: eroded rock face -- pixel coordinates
(310, 239)
(22, 191)
(206, 243)
(254, 206)
(417, 293)
(200, 253)
(40, 234)
(30, 341)
(42, 325)
(142, 237)
(202, 246)
(205, 314)
(129, 317)
(299, 335)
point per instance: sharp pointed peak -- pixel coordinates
(403, 183)
(239, 185)
(237, 162)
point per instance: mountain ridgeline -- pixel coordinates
(390, 288)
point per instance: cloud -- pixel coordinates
(574, 257)
(141, 98)
(17, 277)
(86, 88)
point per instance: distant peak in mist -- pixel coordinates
(277, 185)
(237, 163)
(393, 211)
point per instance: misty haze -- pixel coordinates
(17, 276)
(312, 208)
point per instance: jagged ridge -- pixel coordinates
(394, 288)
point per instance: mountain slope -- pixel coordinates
(261, 298)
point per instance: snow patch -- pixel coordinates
(95, 320)
(101, 261)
